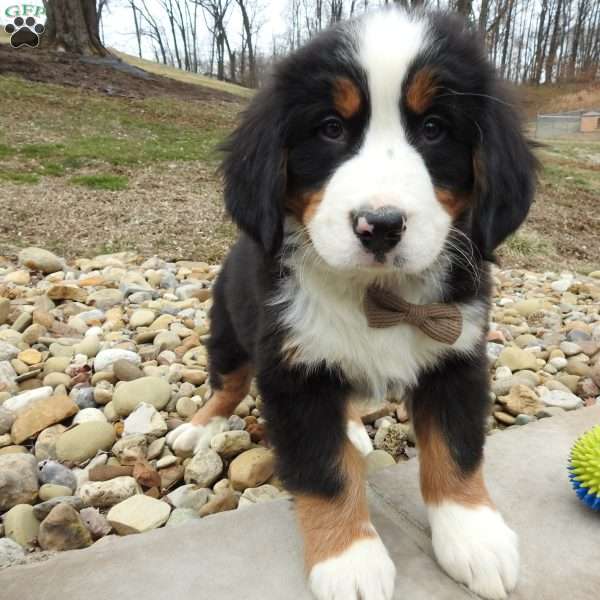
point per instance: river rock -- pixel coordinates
(257, 495)
(45, 445)
(204, 468)
(84, 441)
(251, 468)
(4, 310)
(87, 415)
(521, 400)
(42, 510)
(95, 522)
(181, 516)
(151, 390)
(38, 259)
(230, 443)
(42, 414)
(63, 529)
(7, 418)
(516, 359)
(102, 494)
(126, 370)
(138, 514)
(8, 351)
(189, 496)
(141, 318)
(18, 480)
(10, 552)
(145, 420)
(20, 402)
(21, 525)
(106, 358)
(105, 298)
(54, 472)
(223, 501)
(564, 400)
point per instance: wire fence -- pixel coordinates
(557, 126)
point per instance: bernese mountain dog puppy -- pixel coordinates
(371, 178)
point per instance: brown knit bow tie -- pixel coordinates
(441, 322)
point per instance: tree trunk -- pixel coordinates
(252, 79)
(73, 26)
(464, 7)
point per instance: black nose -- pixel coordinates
(379, 230)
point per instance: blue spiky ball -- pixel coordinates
(584, 468)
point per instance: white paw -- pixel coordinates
(359, 437)
(362, 572)
(476, 547)
(189, 439)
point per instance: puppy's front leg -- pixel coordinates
(470, 538)
(307, 421)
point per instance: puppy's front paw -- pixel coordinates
(476, 547)
(362, 572)
(189, 439)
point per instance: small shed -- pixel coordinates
(590, 121)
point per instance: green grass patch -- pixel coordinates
(570, 175)
(52, 169)
(17, 177)
(80, 128)
(528, 244)
(6, 151)
(102, 182)
(41, 150)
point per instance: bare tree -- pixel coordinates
(249, 39)
(215, 13)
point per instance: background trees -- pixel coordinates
(533, 41)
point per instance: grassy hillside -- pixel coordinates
(560, 98)
(184, 76)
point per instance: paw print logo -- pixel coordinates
(24, 32)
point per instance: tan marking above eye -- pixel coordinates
(421, 90)
(346, 98)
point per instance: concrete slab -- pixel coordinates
(255, 554)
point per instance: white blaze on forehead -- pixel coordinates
(386, 170)
(389, 42)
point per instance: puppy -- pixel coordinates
(371, 179)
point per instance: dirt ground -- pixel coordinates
(171, 204)
(106, 76)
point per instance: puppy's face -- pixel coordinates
(386, 137)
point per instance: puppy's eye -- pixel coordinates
(332, 128)
(433, 129)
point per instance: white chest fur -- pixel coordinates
(325, 319)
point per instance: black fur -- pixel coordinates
(277, 152)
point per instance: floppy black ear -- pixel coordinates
(254, 171)
(505, 175)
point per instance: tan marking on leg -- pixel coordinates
(330, 526)
(305, 206)
(222, 403)
(452, 202)
(346, 98)
(441, 478)
(421, 90)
